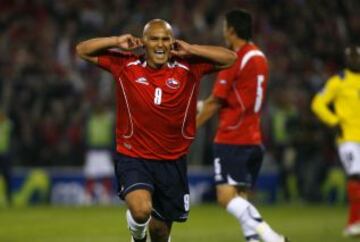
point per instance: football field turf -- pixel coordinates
(207, 223)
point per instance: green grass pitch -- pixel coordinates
(207, 223)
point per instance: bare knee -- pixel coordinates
(225, 193)
(139, 204)
(222, 200)
(141, 213)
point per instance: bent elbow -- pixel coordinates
(314, 105)
(231, 59)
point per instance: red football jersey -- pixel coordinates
(156, 108)
(242, 87)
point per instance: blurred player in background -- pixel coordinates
(343, 92)
(238, 95)
(156, 108)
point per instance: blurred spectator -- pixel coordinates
(5, 159)
(310, 144)
(98, 167)
(282, 116)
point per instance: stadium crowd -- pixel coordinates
(48, 93)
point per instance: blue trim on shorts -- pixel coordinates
(158, 216)
(136, 186)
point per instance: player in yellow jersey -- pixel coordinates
(343, 92)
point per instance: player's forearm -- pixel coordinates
(208, 110)
(90, 48)
(220, 55)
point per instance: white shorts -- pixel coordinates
(98, 164)
(349, 153)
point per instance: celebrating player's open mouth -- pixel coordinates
(157, 57)
(161, 56)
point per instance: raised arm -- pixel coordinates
(90, 49)
(223, 57)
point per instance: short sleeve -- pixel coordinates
(223, 82)
(110, 59)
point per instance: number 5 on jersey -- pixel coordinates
(259, 93)
(157, 96)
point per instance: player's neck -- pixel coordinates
(238, 44)
(156, 66)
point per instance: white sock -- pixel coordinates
(238, 207)
(267, 233)
(251, 221)
(138, 231)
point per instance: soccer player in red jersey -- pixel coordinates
(238, 95)
(156, 108)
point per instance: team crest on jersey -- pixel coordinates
(173, 83)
